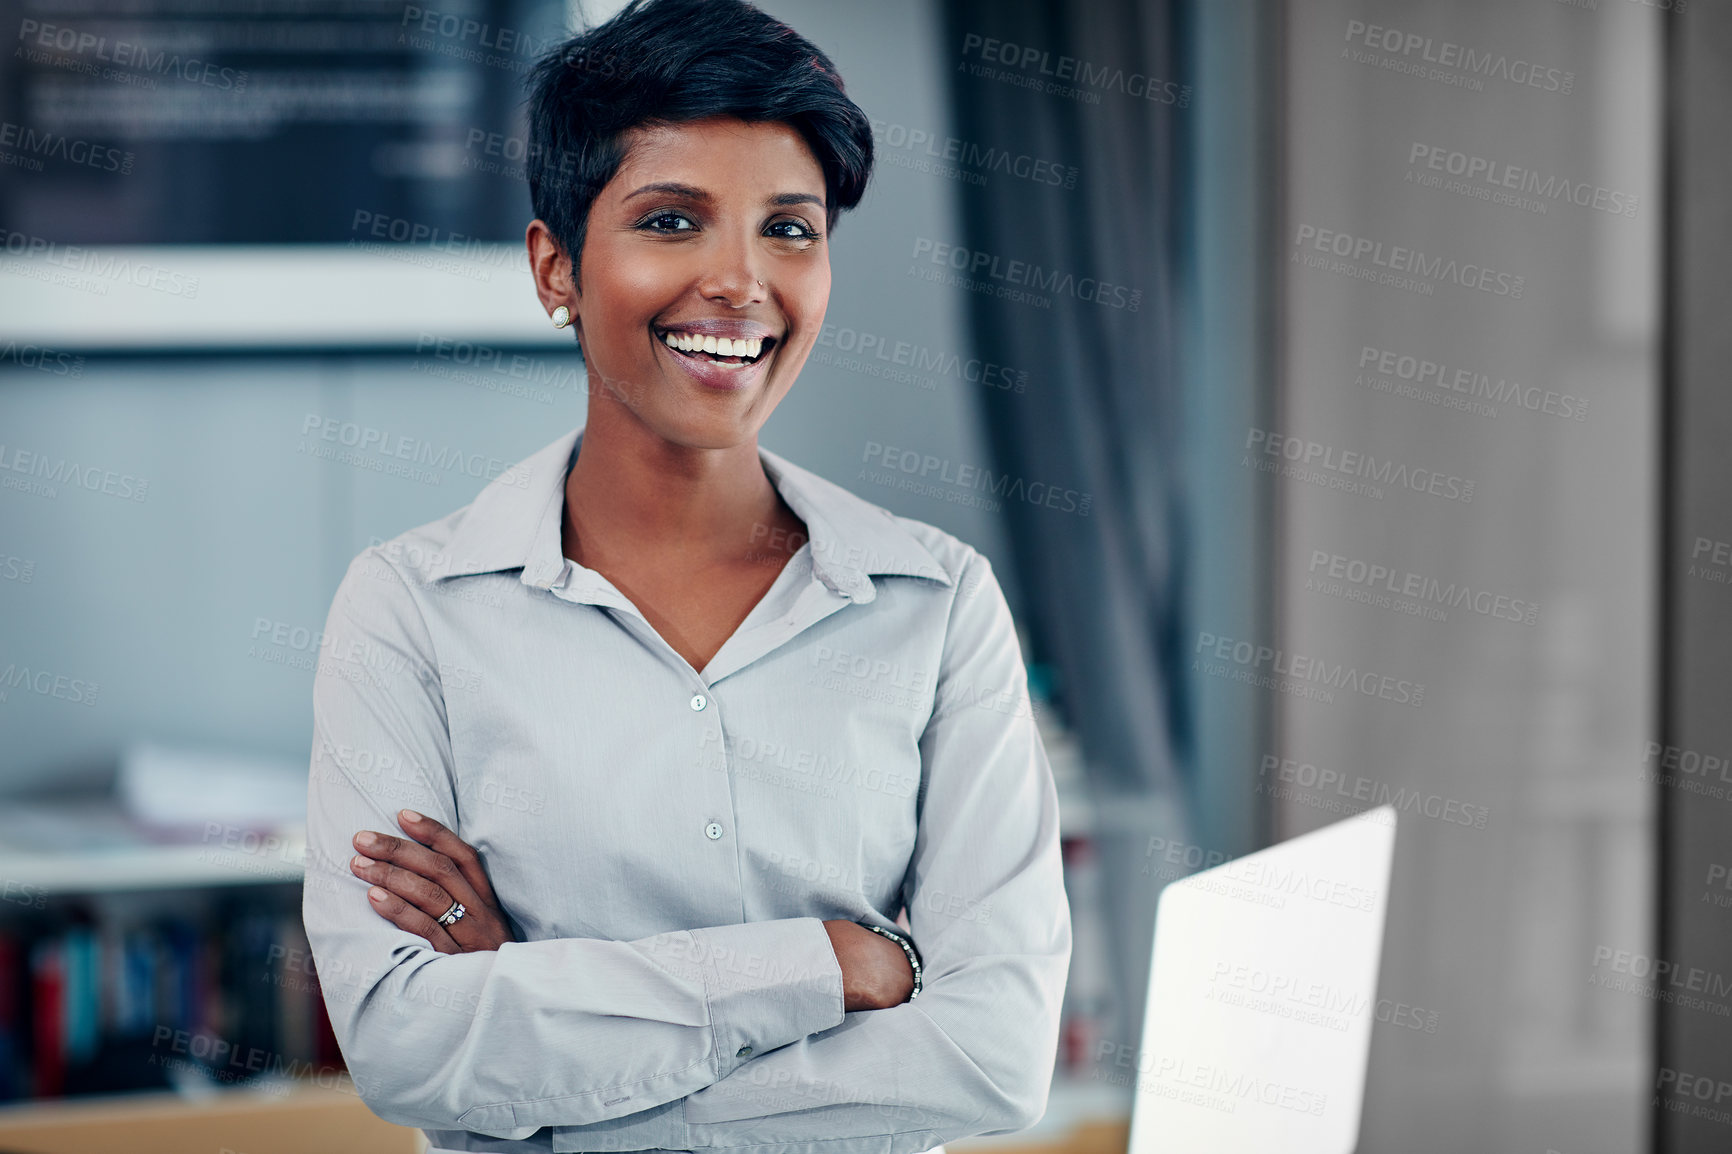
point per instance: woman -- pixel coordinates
(676, 730)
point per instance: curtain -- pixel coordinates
(1068, 271)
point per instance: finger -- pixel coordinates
(418, 859)
(440, 839)
(406, 917)
(430, 899)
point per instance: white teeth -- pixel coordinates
(748, 348)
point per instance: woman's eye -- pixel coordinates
(668, 222)
(800, 231)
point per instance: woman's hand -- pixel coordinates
(875, 972)
(416, 881)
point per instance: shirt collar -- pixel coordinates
(516, 522)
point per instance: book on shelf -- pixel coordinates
(224, 994)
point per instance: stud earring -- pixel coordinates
(561, 317)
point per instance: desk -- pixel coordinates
(309, 1118)
(306, 1118)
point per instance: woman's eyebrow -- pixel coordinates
(671, 187)
(674, 188)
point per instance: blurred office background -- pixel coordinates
(1361, 335)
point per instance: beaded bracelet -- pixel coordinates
(907, 948)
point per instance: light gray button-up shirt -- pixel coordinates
(668, 841)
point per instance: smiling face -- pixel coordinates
(678, 332)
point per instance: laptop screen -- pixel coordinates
(1261, 997)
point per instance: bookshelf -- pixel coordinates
(155, 867)
(131, 967)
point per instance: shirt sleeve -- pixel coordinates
(974, 1054)
(547, 1033)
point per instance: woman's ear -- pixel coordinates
(551, 267)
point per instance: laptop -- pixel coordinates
(1261, 998)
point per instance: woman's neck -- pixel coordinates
(633, 494)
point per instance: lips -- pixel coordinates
(697, 348)
(717, 340)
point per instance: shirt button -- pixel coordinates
(743, 1052)
(699, 701)
(713, 830)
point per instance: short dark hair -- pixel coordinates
(671, 61)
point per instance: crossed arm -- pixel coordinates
(674, 1041)
(419, 879)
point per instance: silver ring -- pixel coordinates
(454, 914)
